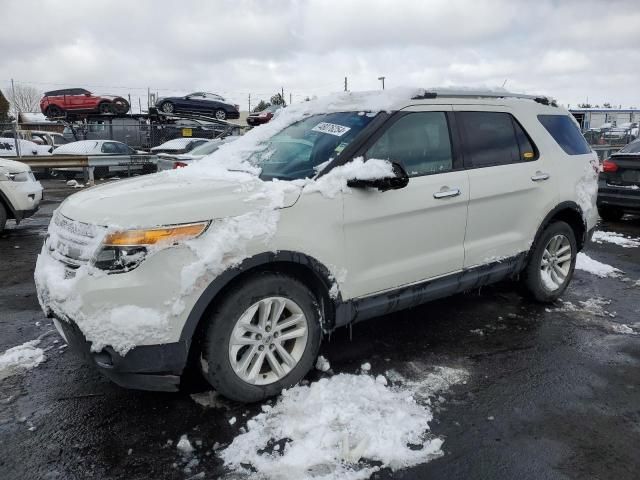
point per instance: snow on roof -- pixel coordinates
(177, 143)
(82, 147)
(33, 117)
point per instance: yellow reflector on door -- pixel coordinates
(154, 235)
(528, 155)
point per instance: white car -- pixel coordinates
(101, 148)
(179, 146)
(336, 211)
(27, 148)
(20, 192)
(170, 162)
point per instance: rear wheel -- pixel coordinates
(611, 214)
(167, 107)
(263, 337)
(105, 107)
(551, 263)
(3, 217)
(120, 106)
(220, 114)
(54, 111)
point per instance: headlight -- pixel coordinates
(17, 177)
(124, 250)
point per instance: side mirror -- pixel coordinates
(398, 181)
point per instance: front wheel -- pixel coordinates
(120, 106)
(54, 111)
(263, 337)
(105, 107)
(220, 114)
(551, 263)
(3, 217)
(167, 107)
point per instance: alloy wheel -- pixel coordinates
(556, 262)
(268, 340)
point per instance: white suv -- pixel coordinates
(336, 211)
(20, 192)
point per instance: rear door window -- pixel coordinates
(566, 134)
(494, 138)
(419, 141)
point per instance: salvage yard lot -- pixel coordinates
(516, 389)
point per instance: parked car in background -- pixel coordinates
(178, 146)
(258, 118)
(20, 192)
(171, 162)
(57, 103)
(199, 103)
(8, 147)
(137, 161)
(39, 137)
(619, 183)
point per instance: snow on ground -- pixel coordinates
(336, 427)
(602, 270)
(616, 238)
(21, 358)
(322, 364)
(594, 311)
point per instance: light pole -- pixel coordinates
(382, 80)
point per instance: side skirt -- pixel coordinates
(376, 305)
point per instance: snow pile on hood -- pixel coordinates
(587, 189)
(616, 238)
(602, 270)
(334, 429)
(21, 358)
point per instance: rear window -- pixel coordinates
(633, 147)
(566, 133)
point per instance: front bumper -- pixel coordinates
(151, 367)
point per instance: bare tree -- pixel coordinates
(24, 98)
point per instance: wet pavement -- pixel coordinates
(553, 391)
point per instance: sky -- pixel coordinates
(570, 50)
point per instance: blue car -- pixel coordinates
(202, 103)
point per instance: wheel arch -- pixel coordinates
(570, 213)
(4, 201)
(313, 273)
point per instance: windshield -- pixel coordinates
(294, 152)
(633, 147)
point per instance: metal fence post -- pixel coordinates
(15, 139)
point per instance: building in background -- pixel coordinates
(598, 118)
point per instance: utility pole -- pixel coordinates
(282, 94)
(382, 79)
(290, 98)
(346, 89)
(249, 103)
(15, 128)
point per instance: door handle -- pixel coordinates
(540, 176)
(446, 192)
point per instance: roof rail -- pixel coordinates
(452, 93)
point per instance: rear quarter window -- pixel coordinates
(566, 134)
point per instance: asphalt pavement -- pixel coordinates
(553, 391)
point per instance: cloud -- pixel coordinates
(569, 49)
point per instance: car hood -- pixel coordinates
(11, 166)
(169, 198)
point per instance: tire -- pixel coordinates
(241, 307)
(3, 217)
(167, 107)
(54, 111)
(105, 107)
(120, 106)
(220, 114)
(542, 280)
(610, 214)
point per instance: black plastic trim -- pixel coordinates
(5, 201)
(568, 205)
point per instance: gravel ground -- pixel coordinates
(552, 392)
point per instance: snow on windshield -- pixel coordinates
(82, 147)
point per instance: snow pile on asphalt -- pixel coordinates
(616, 238)
(335, 427)
(21, 358)
(593, 306)
(602, 270)
(418, 378)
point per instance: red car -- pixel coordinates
(59, 102)
(258, 118)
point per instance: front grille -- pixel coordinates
(72, 243)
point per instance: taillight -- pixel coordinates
(609, 166)
(237, 107)
(179, 165)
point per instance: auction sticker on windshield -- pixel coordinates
(331, 129)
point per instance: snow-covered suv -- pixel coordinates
(20, 192)
(336, 211)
